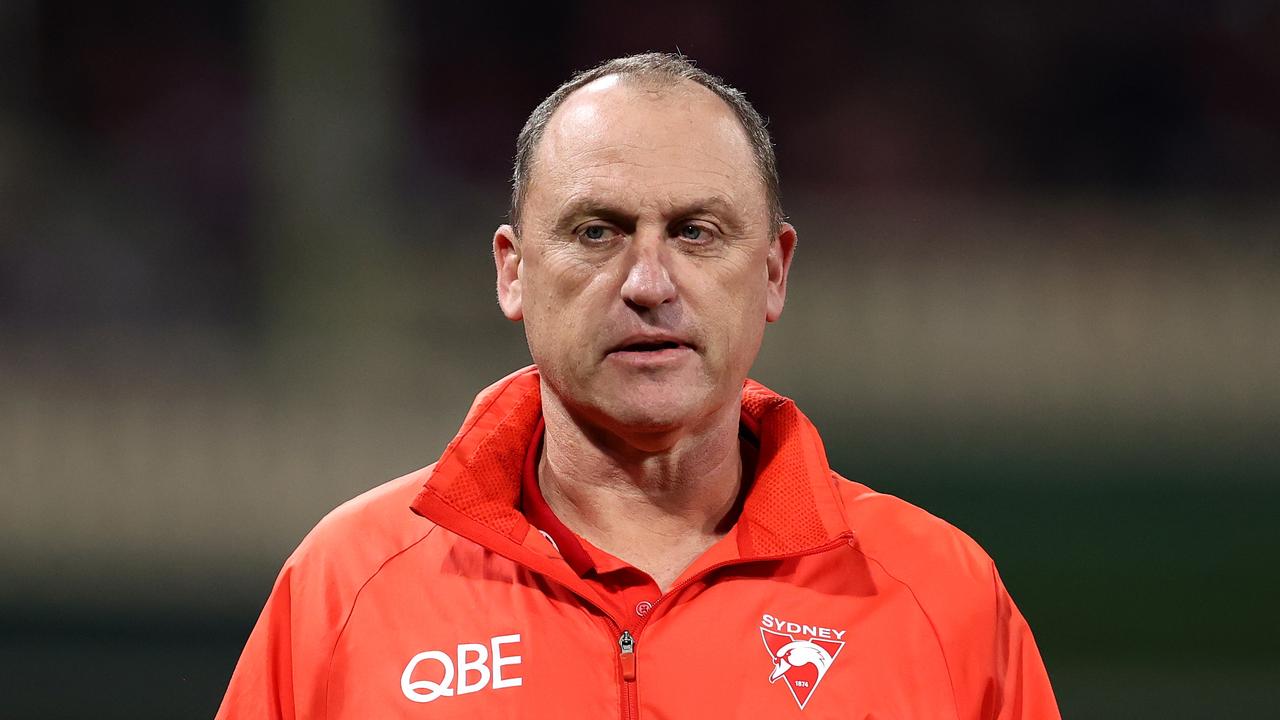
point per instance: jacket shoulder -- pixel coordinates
(910, 540)
(995, 668)
(358, 536)
(323, 579)
(285, 663)
(951, 577)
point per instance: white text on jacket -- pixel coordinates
(770, 622)
(472, 670)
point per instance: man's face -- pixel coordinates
(646, 266)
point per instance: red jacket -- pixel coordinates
(432, 596)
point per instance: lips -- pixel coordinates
(650, 344)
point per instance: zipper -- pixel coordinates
(627, 653)
(626, 647)
(627, 657)
(627, 640)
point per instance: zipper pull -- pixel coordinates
(627, 645)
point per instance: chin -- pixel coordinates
(645, 420)
(654, 410)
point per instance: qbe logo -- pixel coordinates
(475, 666)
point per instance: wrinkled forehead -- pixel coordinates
(617, 135)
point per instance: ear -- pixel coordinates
(507, 260)
(779, 264)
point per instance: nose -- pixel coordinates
(648, 284)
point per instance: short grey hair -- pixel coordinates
(662, 67)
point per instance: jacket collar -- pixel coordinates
(792, 506)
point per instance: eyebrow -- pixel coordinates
(594, 207)
(587, 207)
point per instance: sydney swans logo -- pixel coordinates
(800, 662)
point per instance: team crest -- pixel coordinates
(802, 654)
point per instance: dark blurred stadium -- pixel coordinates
(245, 275)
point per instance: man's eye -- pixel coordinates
(595, 233)
(691, 232)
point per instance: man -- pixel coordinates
(631, 527)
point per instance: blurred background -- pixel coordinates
(245, 275)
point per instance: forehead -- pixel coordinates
(645, 140)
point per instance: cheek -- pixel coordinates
(736, 308)
(562, 275)
(742, 285)
(563, 309)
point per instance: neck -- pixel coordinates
(657, 501)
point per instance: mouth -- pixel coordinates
(651, 350)
(649, 346)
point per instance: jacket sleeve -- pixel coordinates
(1020, 687)
(262, 684)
